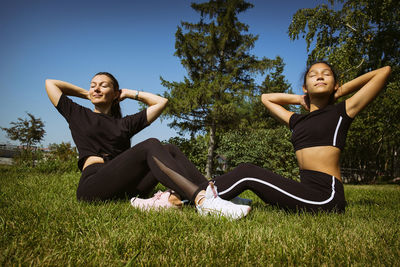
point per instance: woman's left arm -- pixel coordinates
(156, 103)
(367, 86)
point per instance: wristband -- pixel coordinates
(137, 95)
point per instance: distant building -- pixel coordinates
(8, 151)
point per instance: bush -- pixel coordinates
(268, 148)
(61, 158)
(27, 158)
(57, 165)
(195, 149)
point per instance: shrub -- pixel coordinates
(57, 165)
(268, 148)
(61, 158)
(195, 149)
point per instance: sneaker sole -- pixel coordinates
(213, 212)
(151, 207)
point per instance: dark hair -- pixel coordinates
(335, 77)
(115, 107)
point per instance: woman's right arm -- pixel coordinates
(55, 88)
(274, 102)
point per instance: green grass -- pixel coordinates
(42, 223)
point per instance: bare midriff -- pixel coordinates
(92, 160)
(320, 158)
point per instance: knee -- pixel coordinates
(246, 166)
(152, 142)
(171, 148)
(248, 169)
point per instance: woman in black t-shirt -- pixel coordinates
(111, 168)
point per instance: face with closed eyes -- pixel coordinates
(320, 81)
(101, 91)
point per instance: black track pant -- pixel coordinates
(316, 191)
(135, 172)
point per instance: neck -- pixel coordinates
(318, 103)
(101, 109)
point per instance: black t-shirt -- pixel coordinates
(323, 127)
(97, 134)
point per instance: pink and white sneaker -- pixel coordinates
(157, 202)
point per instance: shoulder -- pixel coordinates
(294, 119)
(65, 100)
(68, 108)
(136, 116)
(341, 109)
(136, 122)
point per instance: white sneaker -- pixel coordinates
(215, 205)
(242, 201)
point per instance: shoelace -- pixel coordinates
(158, 195)
(213, 189)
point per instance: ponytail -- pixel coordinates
(116, 109)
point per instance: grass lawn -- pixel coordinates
(42, 223)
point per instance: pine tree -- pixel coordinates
(215, 53)
(274, 82)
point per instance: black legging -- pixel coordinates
(316, 191)
(135, 172)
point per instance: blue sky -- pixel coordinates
(135, 40)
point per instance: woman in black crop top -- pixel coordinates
(110, 167)
(318, 138)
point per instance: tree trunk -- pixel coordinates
(210, 154)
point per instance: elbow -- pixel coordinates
(48, 82)
(164, 102)
(388, 69)
(265, 98)
(385, 71)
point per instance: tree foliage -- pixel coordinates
(29, 131)
(267, 148)
(215, 53)
(60, 159)
(274, 82)
(195, 149)
(361, 31)
(63, 151)
(357, 37)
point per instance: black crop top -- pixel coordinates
(97, 134)
(323, 127)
